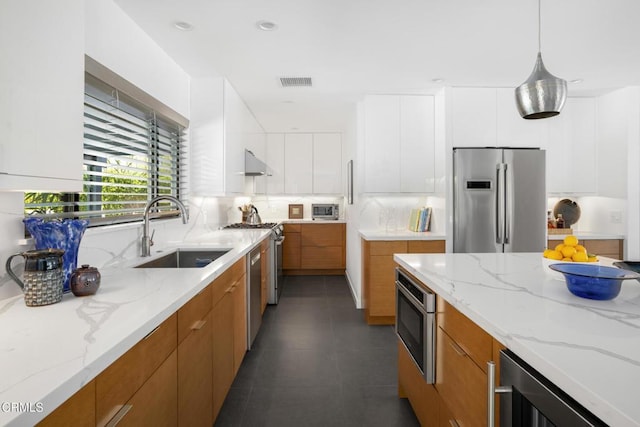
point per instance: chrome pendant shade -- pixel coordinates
(543, 94)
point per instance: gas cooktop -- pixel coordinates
(245, 225)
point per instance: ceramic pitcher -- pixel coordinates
(43, 276)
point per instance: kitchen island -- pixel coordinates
(48, 353)
(590, 349)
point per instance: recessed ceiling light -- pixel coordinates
(294, 128)
(183, 26)
(437, 80)
(576, 81)
(287, 102)
(266, 25)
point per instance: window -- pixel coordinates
(131, 154)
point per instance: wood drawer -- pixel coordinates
(461, 383)
(387, 247)
(329, 257)
(473, 340)
(78, 411)
(223, 282)
(607, 248)
(322, 235)
(116, 384)
(292, 228)
(425, 246)
(193, 312)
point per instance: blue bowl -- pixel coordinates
(597, 282)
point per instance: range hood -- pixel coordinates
(252, 165)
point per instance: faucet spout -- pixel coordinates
(146, 239)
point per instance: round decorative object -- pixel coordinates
(569, 210)
(85, 281)
(596, 282)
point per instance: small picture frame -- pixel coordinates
(296, 211)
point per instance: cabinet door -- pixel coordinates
(265, 265)
(327, 163)
(298, 163)
(223, 372)
(417, 144)
(382, 144)
(78, 411)
(474, 119)
(195, 374)
(239, 295)
(275, 163)
(571, 153)
(291, 250)
(423, 397)
(155, 403)
(513, 130)
(41, 109)
(235, 129)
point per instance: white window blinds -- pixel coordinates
(131, 154)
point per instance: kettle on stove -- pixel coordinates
(254, 217)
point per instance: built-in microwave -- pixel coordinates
(325, 211)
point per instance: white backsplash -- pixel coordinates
(392, 213)
(275, 208)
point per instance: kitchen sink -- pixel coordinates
(185, 258)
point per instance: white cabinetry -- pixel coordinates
(298, 163)
(399, 152)
(221, 127)
(571, 153)
(41, 95)
(275, 163)
(327, 163)
(488, 117)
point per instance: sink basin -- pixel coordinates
(185, 258)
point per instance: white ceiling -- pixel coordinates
(354, 47)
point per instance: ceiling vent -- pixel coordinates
(295, 81)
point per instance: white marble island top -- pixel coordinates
(48, 353)
(590, 349)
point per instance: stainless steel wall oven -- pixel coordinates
(415, 323)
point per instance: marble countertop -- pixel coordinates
(48, 353)
(400, 234)
(590, 349)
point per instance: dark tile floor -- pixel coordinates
(315, 362)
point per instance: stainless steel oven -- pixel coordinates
(528, 399)
(415, 323)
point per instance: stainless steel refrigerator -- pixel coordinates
(499, 202)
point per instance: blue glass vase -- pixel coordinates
(65, 235)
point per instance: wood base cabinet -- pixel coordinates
(318, 248)
(423, 397)
(378, 275)
(78, 411)
(611, 248)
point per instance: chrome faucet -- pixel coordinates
(146, 239)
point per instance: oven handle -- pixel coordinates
(492, 390)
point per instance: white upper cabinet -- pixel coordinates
(275, 163)
(571, 152)
(327, 163)
(298, 163)
(221, 128)
(41, 95)
(399, 150)
(488, 117)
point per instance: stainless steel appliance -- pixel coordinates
(528, 399)
(325, 211)
(415, 323)
(275, 256)
(254, 279)
(499, 200)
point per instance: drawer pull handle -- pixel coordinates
(230, 289)
(458, 349)
(492, 390)
(119, 415)
(454, 423)
(152, 332)
(198, 325)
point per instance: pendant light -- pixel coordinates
(543, 94)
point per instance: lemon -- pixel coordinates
(547, 252)
(581, 248)
(592, 258)
(580, 257)
(559, 247)
(566, 259)
(555, 255)
(568, 251)
(570, 240)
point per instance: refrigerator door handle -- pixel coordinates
(507, 212)
(499, 204)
